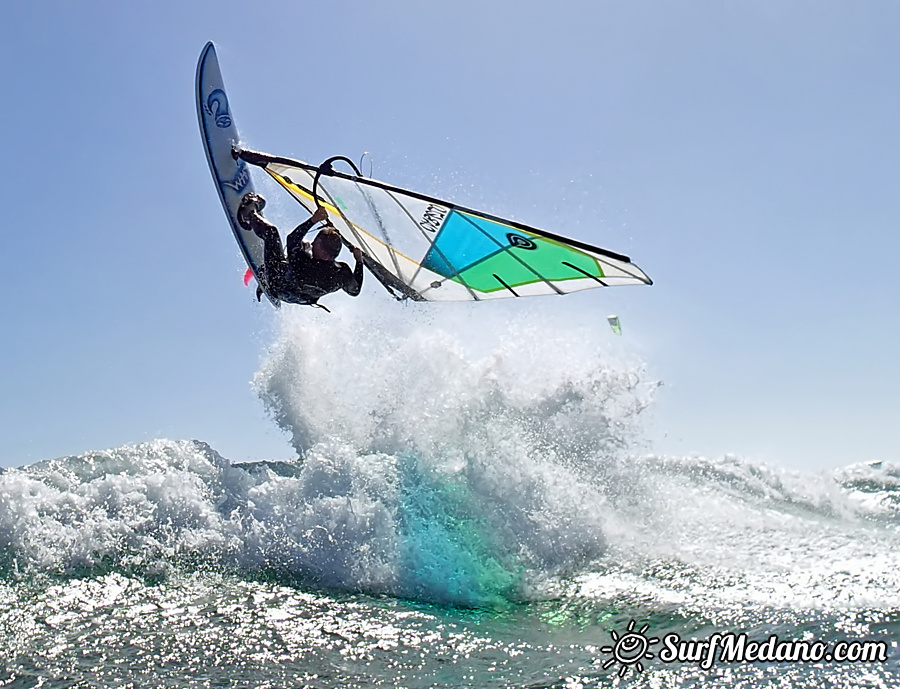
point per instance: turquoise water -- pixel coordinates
(462, 516)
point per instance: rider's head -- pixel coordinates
(327, 244)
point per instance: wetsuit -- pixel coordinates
(301, 278)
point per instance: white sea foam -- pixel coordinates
(464, 460)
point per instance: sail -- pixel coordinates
(427, 249)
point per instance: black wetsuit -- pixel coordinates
(300, 278)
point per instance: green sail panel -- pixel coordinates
(487, 256)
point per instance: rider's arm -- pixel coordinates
(353, 283)
(306, 225)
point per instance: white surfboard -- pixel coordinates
(232, 176)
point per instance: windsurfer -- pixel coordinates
(310, 269)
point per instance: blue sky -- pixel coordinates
(745, 154)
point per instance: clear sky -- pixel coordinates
(745, 154)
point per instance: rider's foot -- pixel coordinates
(251, 203)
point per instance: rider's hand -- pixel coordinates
(357, 254)
(320, 215)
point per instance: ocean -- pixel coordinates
(472, 504)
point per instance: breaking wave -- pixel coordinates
(440, 464)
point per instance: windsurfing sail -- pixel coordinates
(422, 248)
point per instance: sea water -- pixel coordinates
(471, 504)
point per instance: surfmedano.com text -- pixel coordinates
(738, 648)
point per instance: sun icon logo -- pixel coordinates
(630, 649)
